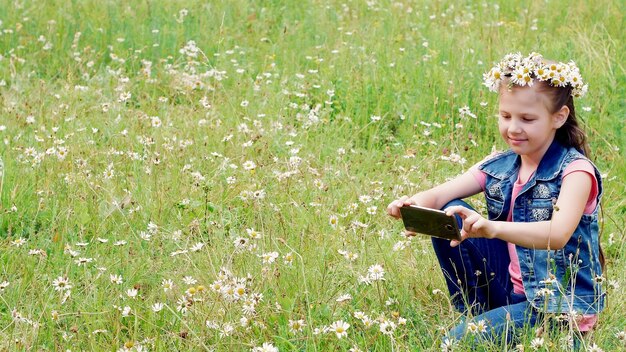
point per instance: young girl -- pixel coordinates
(538, 252)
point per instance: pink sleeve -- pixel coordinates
(582, 165)
(480, 176)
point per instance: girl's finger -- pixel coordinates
(402, 201)
(467, 228)
(454, 243)
(408, 233)
(457, 209)
(407, 201)
(471, 221)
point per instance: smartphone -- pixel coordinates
(431, 222)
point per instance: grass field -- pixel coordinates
(213, 175)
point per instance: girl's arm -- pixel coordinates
(462, 186)
(552, 234)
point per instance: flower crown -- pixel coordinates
(523, 70)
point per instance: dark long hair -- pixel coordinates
(570, 134)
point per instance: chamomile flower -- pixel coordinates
(167, 284)
(3, 285)
(124, 97)
(359, 315)
(545, 292)
(368, 322)
(344, 298)
(255, 235)
(447, 345)
(288, 259)
(157, 307)
(155, 121)
(61, 283)
(521, 77)
(365, 199)
(376, 272)
(333, 221)
(269, 258)
(249, 165)
(126, 311)
(537, 343)
(594, 348)
(189, 280)
(391, 301)
(227, 329)
(196, 247)
(83, 261)
(132, 293)
(400, 245)
(387, 327)
(116, 279)
(365, 280)
(296, 326)
(266, 347)
(18, 242)
(241, 243)
(350, 256)
(525, 70)
(239, 291)
(340, 328)
(481, 326)
(465, 111)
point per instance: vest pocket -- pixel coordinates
(494, 191)
(541, 191)
(494, 208)
(540, 210)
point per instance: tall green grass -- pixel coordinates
(316, 75)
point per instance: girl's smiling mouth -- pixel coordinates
(516, 141)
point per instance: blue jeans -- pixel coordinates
(477, 276)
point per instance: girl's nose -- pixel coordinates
(514, 127)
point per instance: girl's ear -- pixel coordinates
(560, 117)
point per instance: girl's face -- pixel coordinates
(525, 123)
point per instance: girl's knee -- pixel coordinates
(457, 202)
(456, 333)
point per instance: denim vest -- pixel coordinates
(555, 281)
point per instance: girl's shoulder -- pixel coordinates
(584, 165)
(575, 158)
(492, 156)
(497, 162)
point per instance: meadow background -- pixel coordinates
(213, 175)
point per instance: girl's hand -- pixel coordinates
(474, 225)
(393, 209)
